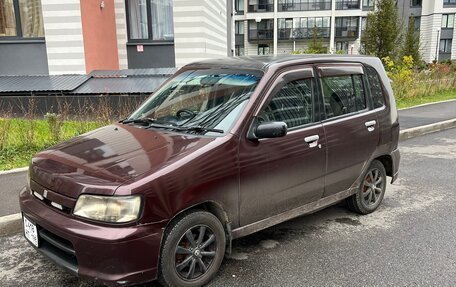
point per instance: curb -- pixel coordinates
(426, 129)
(13, 171)
(12, 224)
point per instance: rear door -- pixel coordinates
(350, 124)
(279, 174)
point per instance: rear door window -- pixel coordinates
(343, 91)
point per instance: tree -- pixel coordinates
(383, 31)
(412, 42)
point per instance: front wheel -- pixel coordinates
(192, 250)
(371, 191)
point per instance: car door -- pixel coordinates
(279, 174)
(350, 125)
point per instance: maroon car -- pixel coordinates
(223, 149)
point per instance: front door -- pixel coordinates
(280, 174)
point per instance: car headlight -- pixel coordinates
(115, 209)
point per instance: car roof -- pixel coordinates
(265, 62)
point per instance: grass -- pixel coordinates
(24, 138)
(415, 101)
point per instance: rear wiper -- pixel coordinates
(138, 121)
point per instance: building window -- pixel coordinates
(239, 27)
(263, 49)
(239, 6)
(239, 50)
(21, 19)
(301, 28)
(347, 27)
(261, 5)
(415, 3)
(449, 2)
(342, 47)
(368, 3)
(416, 22)
(445, 46)
(448, 21)
(150, 20)
(347, 4)
(303, 5)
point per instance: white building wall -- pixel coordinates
(121, 29)
(64, 41)
(200, 30)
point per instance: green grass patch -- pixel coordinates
(415, 101)
(20, 139)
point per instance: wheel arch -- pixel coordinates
(210, 206)
(387, 162)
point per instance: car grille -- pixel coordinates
(51, 203)
(58, 250)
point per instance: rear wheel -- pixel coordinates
(372, 190)
(192, 250)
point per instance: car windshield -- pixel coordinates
(198, 101)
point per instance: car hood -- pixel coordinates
(100, 161)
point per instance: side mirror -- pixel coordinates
(269, 130)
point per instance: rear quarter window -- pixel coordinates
(376, 89)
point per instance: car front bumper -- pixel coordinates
(109, 255)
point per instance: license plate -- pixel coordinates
(30, 231)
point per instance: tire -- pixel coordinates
(369, 195)
(180, 254)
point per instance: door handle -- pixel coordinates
(312, 140)
(370, 125)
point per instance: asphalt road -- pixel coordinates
(409, 241)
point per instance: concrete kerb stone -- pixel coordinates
(12, 224)
(426, 129)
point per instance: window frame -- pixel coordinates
(150, 39)
(340, 70)
(19, 33)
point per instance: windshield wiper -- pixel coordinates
(138, 121)
(197, 129)
(200, 129)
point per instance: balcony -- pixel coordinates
(304, 6)
(347, 32)
(347, 4)
(302, 33)
(261, 8)
(261, 34)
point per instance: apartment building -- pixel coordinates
(77, 37)
(282, 26)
